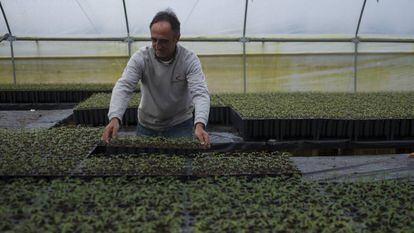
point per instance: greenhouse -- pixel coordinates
(242, 116)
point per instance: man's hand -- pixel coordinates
(111, 130)
(202, 135)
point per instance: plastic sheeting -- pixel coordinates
(3, 27)
(332, 18)
(303, 17)
(41, 49)
(270, 66)
(65, 18)
(198, 17)
(388, 18)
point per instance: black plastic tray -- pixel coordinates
(62, 96)
(219, 115)
(317, 129)
(269, 146)
(37, 106)
(99, 116)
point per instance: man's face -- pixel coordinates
(164, 40)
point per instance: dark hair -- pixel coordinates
(169, 16)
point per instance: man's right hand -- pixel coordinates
(111, 130)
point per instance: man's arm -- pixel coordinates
(121, 94)
(201, 99)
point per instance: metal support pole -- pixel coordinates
(223, 39)
(244, 40)
(12, 56)
(128, 39)
(129, 48)
(356, 42)
(244, 68)
(10, 38)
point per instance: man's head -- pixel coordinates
(165, 33)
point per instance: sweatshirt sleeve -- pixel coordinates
(198, 90)
(125, 86)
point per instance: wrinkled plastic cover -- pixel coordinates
(392, 18)
(65, 18)
(208, 18)
(303, 17)
(3, 28)
(198, 17)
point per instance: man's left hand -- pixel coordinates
(202, 135)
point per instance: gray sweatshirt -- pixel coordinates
(169, 92)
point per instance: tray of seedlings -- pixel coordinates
(50, 93)
(249, 164)
(61, 152)
(182, 146)
(44, 152)
(47, 96)
(252, 164)
(152, 156)
(318, 116)
(94, 110)
(149, 145)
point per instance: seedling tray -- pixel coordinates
(37, 106)
(293, 145)
(219, 115)
(59, 96)
(317, 129)
(187, 171)
(115, 150)
(154, 165)
(99, 116)
(219, 147)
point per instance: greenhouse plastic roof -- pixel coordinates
(209, 18)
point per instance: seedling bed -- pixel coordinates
(223, 204)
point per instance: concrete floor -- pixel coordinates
(32, 118)
(353, 168)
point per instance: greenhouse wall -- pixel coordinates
(279, 52)
(270, 66)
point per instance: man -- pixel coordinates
(172, 82)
